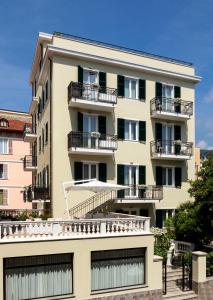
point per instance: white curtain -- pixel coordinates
(3, 146)
(118, 272)
(40, 276)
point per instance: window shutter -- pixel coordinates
(42, 99)
(46, 92)
(177, 92)
(159, 176)
(178, 177)
(177, 132)
(102, 124)
(80, 75)
(120, 179)
(80, 122)
(10, 142)
(5, 197)
(102, 170)
(142, 175)
(158, 131)
(142, 131)
(158, 89)
(121, 124)
(159, 218)
(142, 89)
(102, 82)
(120, 84)
(5, 171)
(78, 170)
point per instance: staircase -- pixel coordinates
(174, 286)
(94, 204)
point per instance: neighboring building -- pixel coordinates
(13, 178)
(197, 161)
(115, 114)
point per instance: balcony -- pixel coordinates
(91, 143)
(30, 163)
(91, 97)
(29, 135)
(171, 108)
(171, 150)
(36, 194)
(140, 194)
(104, 226)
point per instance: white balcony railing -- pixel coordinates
(72, 229)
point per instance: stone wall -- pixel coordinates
(148, 295)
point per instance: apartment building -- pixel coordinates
(13, 177)
(116, 114)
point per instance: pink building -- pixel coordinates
(13, 175)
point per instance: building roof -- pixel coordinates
(16, 121)
(121, 48)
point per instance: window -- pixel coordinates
(117, 268)
(3, 197)
(90, 77)
(4, 123)
(42, 139)
(39, 144)
(46, 133)
(168, 176)
(46, 91)
(4, 146)
(131, 88)
(3, 171)
(90, 170)
(33, 277)
(131, 130)
(162, 215)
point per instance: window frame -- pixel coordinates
(4, 123)
(5, 205)
(94, 71)
(173, 176)
(89, 163)
(3, 173)
(7, 141)
(130, 130)
(130, 87)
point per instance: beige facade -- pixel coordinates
(57, 60)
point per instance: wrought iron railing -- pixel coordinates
(141, 192)
(167, 147)
(92, 92)
(93, 140)
(36, 193)
(30, 161)
(171, 105)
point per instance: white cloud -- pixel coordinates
(208, 98)
(204, 145)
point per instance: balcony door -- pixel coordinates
(167, 138)
(167, 96)
(90, 126)
(131, 179)
(90, 79)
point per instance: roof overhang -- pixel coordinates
(56, 51)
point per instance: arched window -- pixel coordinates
(4, 123)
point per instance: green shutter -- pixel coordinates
(78, 170)
(177, 132)
(80, 75)
(142, 131)
(102, 124)
(120, 179)
(177, 92)
(142, 175)
(120, 85)
(158, 131)
(159, 218)
(178, 177)
(102, 82)
(142, 89)
(158, 89)
(159, 176)
(120, 129)
(80, 122)
(102, 168)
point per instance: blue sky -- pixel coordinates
(181, 29)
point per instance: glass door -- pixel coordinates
(90, 126)
(91, 85)
(167, 137)
(167, 95)
(131, 179)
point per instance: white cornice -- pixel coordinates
(52, 50)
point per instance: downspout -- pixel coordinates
(50, 169)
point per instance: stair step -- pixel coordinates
(180, 295)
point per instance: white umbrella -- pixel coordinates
(96, 186)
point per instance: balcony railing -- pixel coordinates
(93, 140)
(36, 193)
(141, 192)
(73, 229)
(171, 105)
(30, 161)
(92, 93)
(166, 147)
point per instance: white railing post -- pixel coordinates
(146, 225)
(103, 227)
